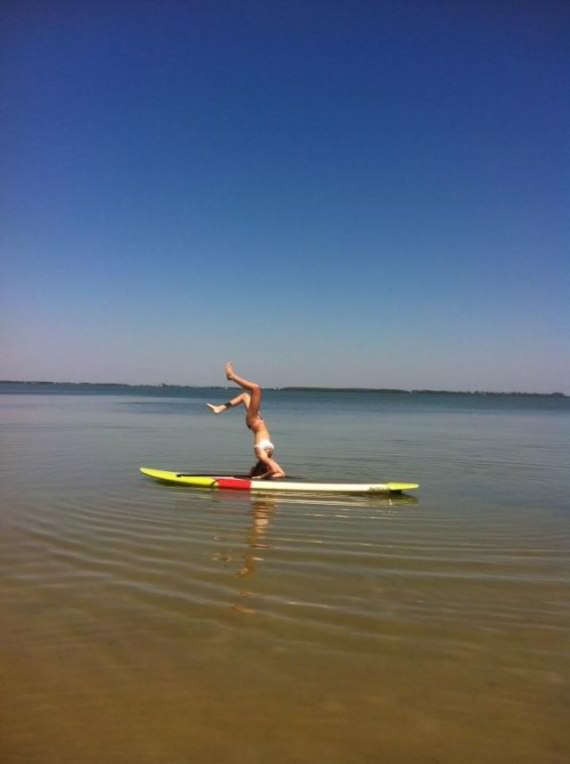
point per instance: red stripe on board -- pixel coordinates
(237, 484)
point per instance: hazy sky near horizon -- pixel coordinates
(328, 193)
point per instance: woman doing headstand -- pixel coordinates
(266, 467)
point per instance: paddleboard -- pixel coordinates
(233, 483)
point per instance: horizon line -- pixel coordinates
(298, 388)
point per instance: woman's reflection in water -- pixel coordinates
(262, 510)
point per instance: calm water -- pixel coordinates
(146, 624)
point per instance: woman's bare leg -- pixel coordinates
(242, 398)
(252, 387)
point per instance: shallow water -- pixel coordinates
(145, 623)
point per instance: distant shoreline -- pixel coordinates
(289, 388)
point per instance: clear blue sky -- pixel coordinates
(344, 193)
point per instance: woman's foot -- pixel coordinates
(229, 369)
(216, 409)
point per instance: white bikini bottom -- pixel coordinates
(264, 445)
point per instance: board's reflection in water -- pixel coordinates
(263, 511)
